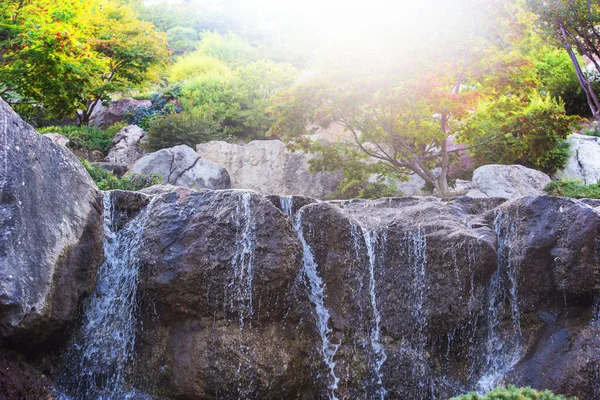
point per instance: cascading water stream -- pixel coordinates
(243, 261)
(416, 247)
(374, 247)
(503, 347)
(317, 296)
(99, 358)
(287, 204)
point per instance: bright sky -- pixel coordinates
(350, 26)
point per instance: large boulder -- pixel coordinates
(584, 162)
(267, 167)
(507, 181)
(225, 302)
(51, 232)
(103, 117)
(126, 146)
(182, 166)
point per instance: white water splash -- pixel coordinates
(242, 261)
(100, 358)
(317, 296)
(504, 346)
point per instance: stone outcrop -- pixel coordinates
(584, 162)
(182, 166)
(267, 167)
(126, 146)
(245, 296)
(221, 279)
(507, 181)
(103, 117)
(50, 232)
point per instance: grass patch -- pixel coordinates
(106, 180)
(514, 393)
(86, 137)
(573, 189)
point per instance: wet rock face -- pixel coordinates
(431, 261)
(245, 296)
(229, 311)
(50, 233)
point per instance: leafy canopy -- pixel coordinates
(72, 54)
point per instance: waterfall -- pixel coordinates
(99, 358)
(504, 346)
(287, 203)
(416, 248)
(373, 248)
(242, 261)
(317, 296)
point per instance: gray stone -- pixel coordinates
(584, 162)
(507, 181)
(267, 167)
(58, 138)
(103, 117)
(50, 232)
(182, 166)
(126, 146)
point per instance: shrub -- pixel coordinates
(86, 137)
(106, 180)
(162, 103)
(232, 49)
(521, 130)
(197, 64)
(184, 128)
(182, 40)
(513, 393)
(574, 189)
(593, 131)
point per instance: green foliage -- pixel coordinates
(574, 189)
(183, 128)
(182, 40)
(520, 130)
(196, 64)
(162, 103)
(232, 49)
(235, 100)
(86, 137)
(593, 131)
(359, 179)
(106, 180)
(513, 393)
(557, 78)
(66, 56)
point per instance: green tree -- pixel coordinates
(573, 25)
(129, 49)
(405, 116)
(71, 55)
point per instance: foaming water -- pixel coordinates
(99, 359)
(504, 344)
